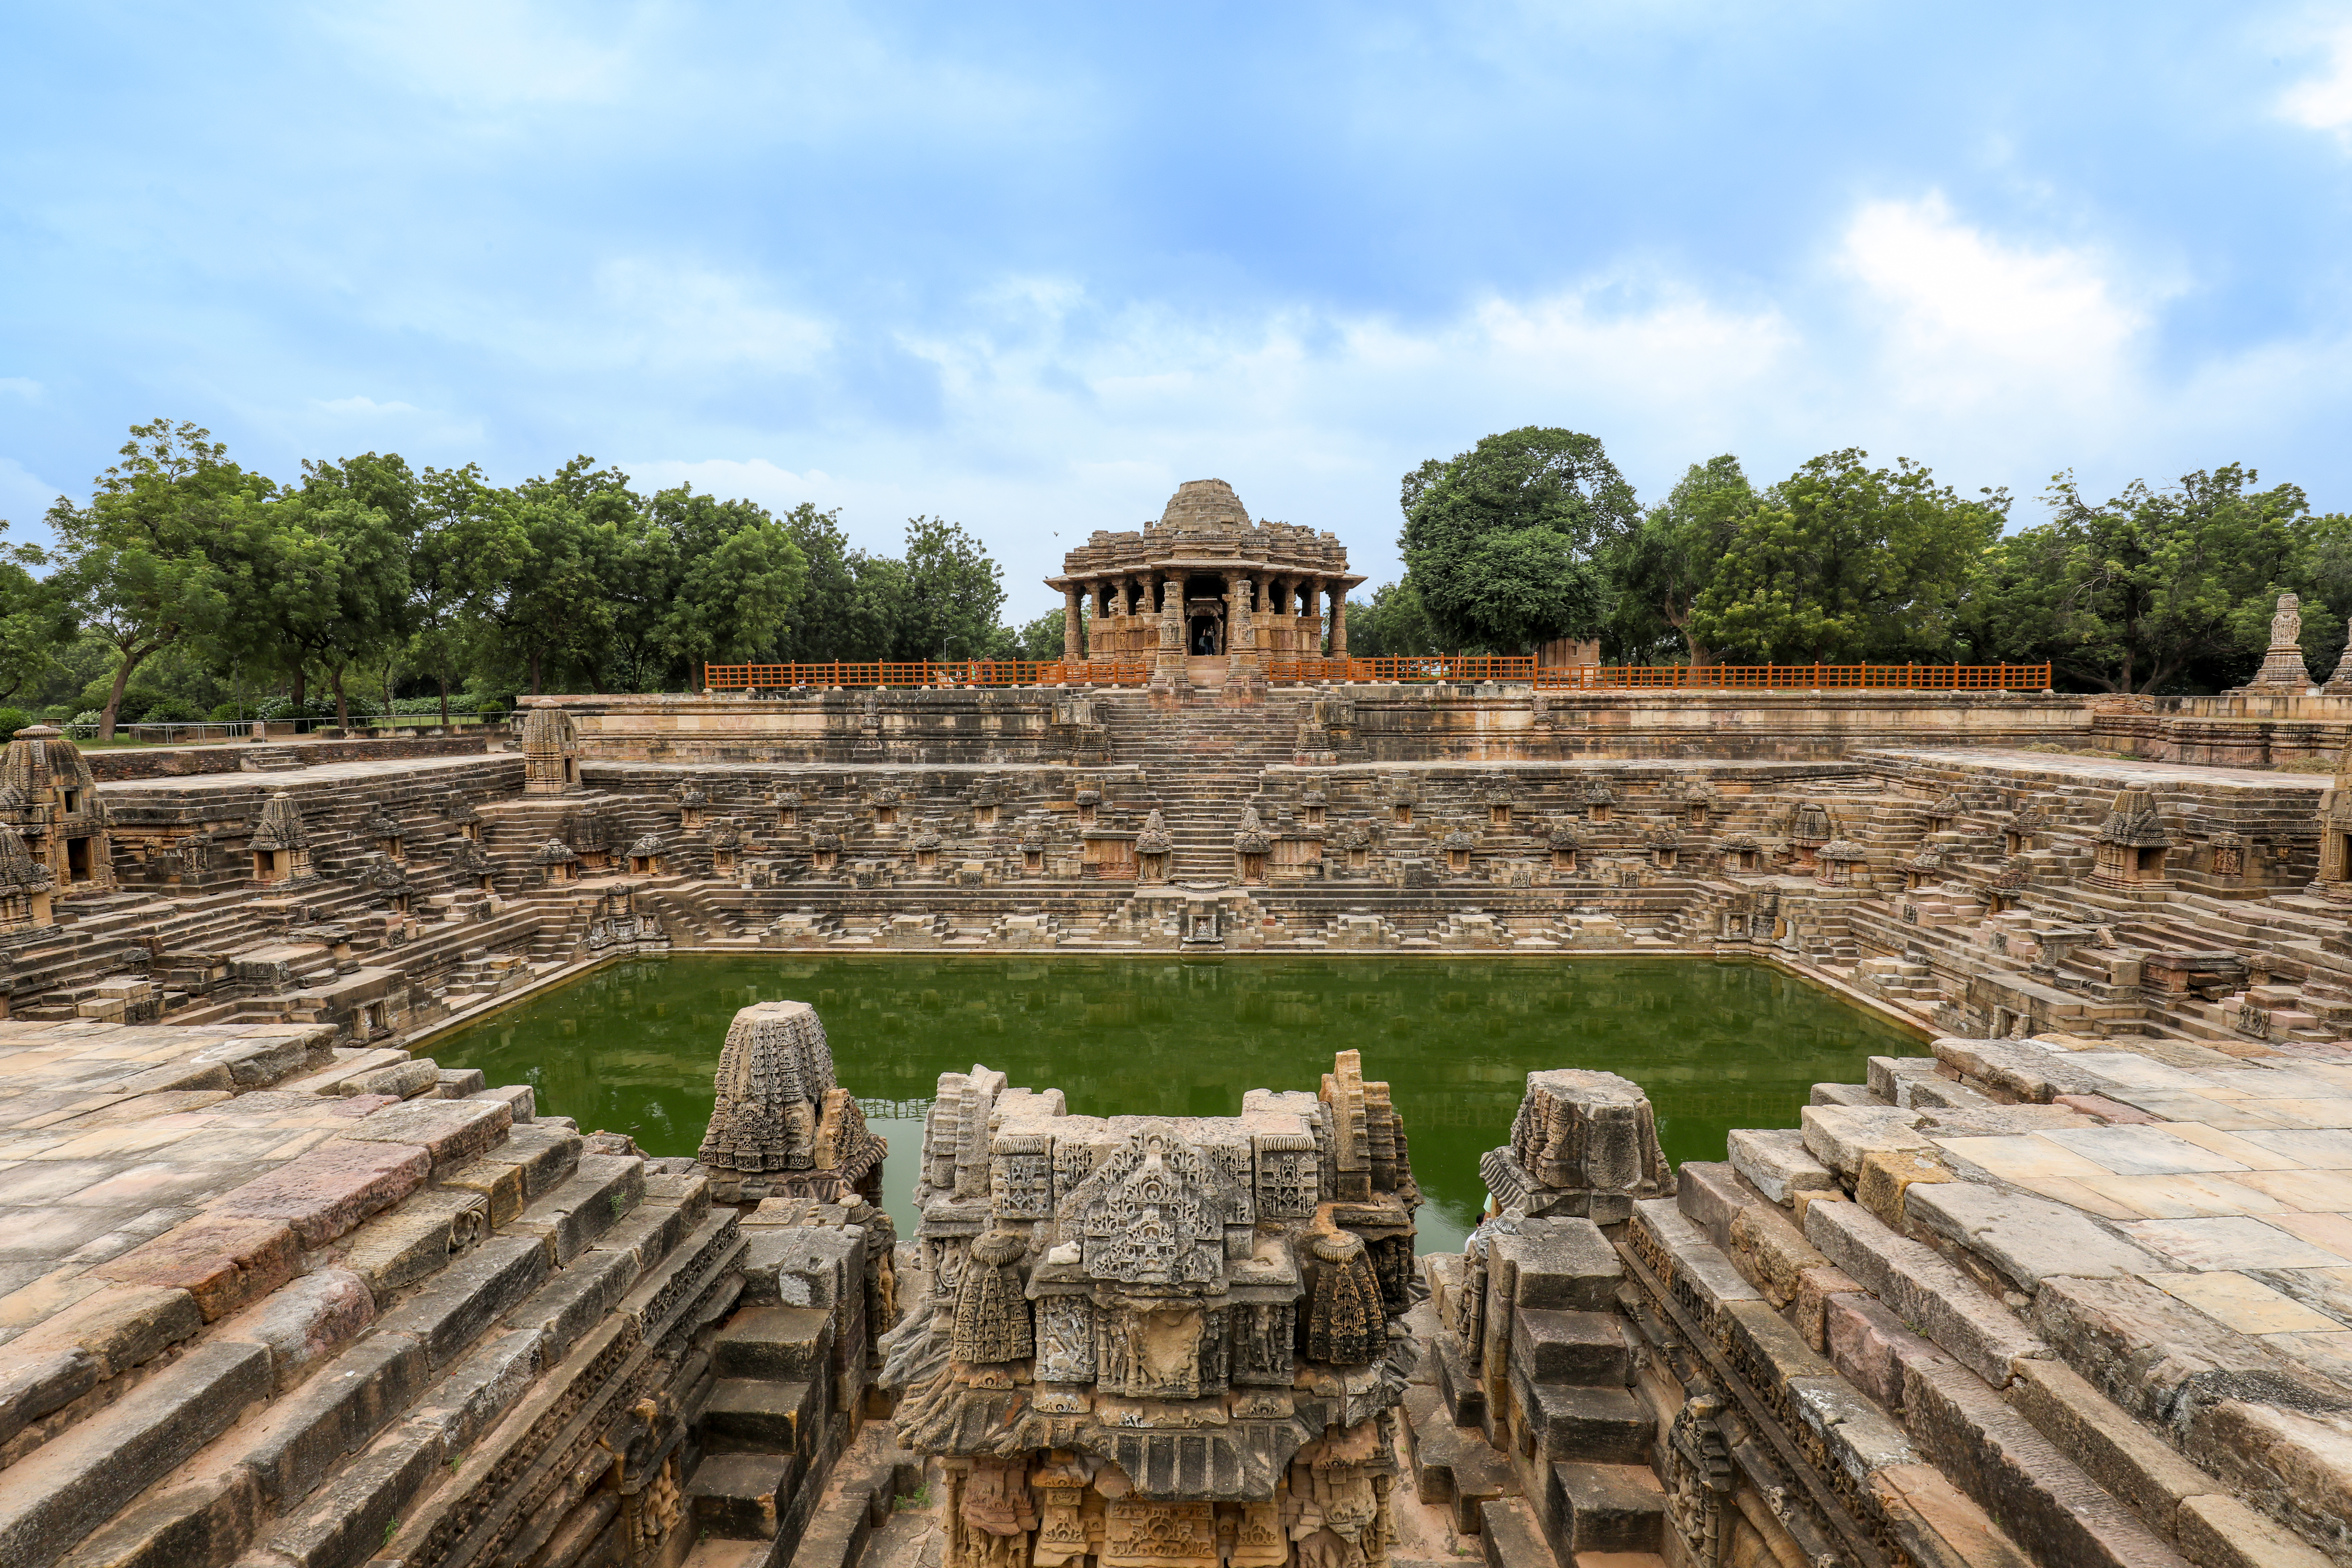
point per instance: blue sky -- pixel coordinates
(1029, 267)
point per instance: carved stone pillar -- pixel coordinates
(1071, 651)
(1339, 620)
(1281, 628)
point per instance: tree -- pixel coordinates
(2129, 594)
(737, 578)
(1669, 560)
(947, 595)
(143, 559)
(1840, 563)
(829, 591)
(1501, 541)
(1040, 639)
(1389, 623)
(36, 618)
(538, 560)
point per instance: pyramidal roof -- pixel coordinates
(1205, 506)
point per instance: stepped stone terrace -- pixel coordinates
(2066, 1285)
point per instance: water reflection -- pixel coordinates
(1717, 1046)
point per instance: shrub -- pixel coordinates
(12, 720)
(228, 713)
(168, 711)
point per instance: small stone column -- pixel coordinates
(2340, 683)
(1244, 665)
(2283, 669)
(1071, 651)
(1339, 620)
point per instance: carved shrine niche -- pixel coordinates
(1154, 1214)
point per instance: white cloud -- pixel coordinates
(23, 498)
(1966, 319)
(483, 55)
(364, 405)
(2323, 102)
(22, 387)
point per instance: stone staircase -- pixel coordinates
(401, 1397)
(1200, 783)
(1552, 1435)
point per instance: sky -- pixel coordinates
(1028, 267)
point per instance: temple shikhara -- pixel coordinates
(2065, 1283)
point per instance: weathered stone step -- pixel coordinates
(1604, 1507)
(739, 1496)
(65, 1488)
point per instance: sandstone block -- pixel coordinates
(784, 1343)
(1606, 1508)
(2114, 1449)
(330, 1189)
(301, 1436)
(450, 1131)
(2144, 1349)
(2220, 1532)
(417, 1239)
(1570, 1347)
(201, 1521)
(547, 1150)
(1561, 1264)
(1692, 1263)
(461, 1083)
(521, 1101)
(350, 1518)
(1857, 1435)
(604, 1188)
(1815, 1286)
(121, 1326)
(222, 1260)
(2025, 1237)
(2018, 1068)
(1838, 1135)
(482, 1386)
(1778, 1163)
(452, 1310)
(1872, 1350)
(71, 1484)
(1936, 1524)
(34, 1383)
(1887, 1174)
(1771, 1252)
(499, 1183)
(2047, 1504)
(576, 1299)
(304, 1322)
(1922, 1290)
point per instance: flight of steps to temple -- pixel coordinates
(1200, 783)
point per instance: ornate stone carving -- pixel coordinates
(778, 1109)
(992, 1318)
(1345, 1323)
(1583, 1142)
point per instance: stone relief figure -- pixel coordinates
(2286, 626)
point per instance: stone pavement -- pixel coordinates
(2104, 1286)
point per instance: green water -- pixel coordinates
(631, 1048)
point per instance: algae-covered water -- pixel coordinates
(631, 1048)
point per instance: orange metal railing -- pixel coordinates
(1670, 676)
(954, 672)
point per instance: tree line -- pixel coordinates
(1534, 534)
(187, 583)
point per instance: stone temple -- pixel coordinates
(2071, 1283)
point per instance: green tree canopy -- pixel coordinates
(2128, 594)
(1502, 542)
(1844, 564)
(1670, 559)
(144, 559)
